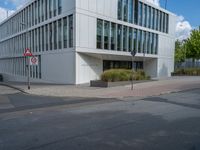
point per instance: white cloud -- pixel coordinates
(4, 12)
(183, 28)
(156, 2)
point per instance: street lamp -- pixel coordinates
(26, 45)
(133, 53)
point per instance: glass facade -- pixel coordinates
(34, 14)
(56, 35)
(112, 36)
(99, 33)
(106, 34)
(143, 15)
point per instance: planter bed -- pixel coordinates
(103, 84)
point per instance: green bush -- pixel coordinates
(115, 75)
(187, 71)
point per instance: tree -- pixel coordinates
(180, 52)
(193, 46)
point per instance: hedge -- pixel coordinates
(115, 75)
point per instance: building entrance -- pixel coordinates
(109, 64)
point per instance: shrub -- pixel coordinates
(115, 75)
(187, 71)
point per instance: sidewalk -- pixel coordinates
(152, 88)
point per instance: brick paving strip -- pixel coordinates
(145, 89)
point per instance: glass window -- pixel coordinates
(130, 38)
(147, 21)
(39, 39)
(144, 42)
(39, 6)
(145, 15)
(42, 38)
(125, 6)
(59, 7)
(125, 38)
(106, 34)
(54, 7)
(50, 36)
(36, 40)
(157, 18)
(46, 9)
(36, 12)
(153, 21)
(33, 15)
(120, 9)
(167, 24)
(152, 43)
(65, 32)
(119, 37)
(152, 17)
(149, 43)
(135, 40)
(99, 33)
(164, 22)
(149, 24)
(140, 13)
(136, 12)
(156, 52)
(33, 41)
(50, 8)
(113, 36)
(139, 40)
(160, 29)
(55, 35)
(59, 34)
(71, 36)
(42, 10)
(47, 37)
(130, 11)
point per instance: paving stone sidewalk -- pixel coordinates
(153, 88)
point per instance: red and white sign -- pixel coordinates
(28, 52)
(34, 61)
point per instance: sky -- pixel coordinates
(188, 12)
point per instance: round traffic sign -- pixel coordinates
(34, 60)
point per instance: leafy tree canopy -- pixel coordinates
(193, 45)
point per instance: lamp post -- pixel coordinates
(133, 53)
(26, 44)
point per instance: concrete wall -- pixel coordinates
(87, 68)
(59, 67)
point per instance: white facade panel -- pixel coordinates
(59, 68)
(87, 68)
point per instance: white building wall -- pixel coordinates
(59, 68)
(87, 68)
(72, 66)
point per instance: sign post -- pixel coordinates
(133, 53)
(28, 54)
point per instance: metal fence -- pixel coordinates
(188, 64)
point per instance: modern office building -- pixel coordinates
(76, 40)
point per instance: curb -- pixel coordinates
(13, 87)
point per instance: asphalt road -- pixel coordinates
(167, 122)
